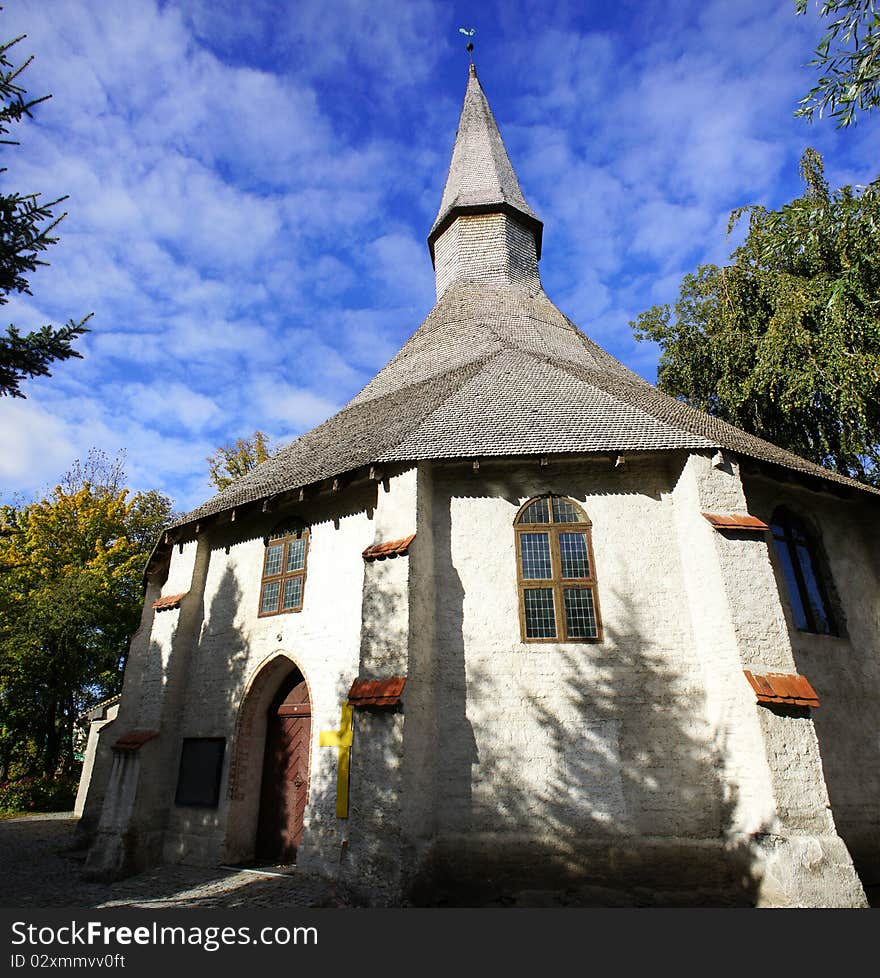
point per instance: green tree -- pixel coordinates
(848, 59)
(71, 596)
(784, 341)
(231, 461)
(26, 230)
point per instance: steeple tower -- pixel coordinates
(495, 370)
(484, 231)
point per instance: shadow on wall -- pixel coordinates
(219, 706)
(844, 669)
(365, 849)
(203, 682)
(249, 827)
(214, 682)
(585, 777)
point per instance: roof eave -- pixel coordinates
(830, 481)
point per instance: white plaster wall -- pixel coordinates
(735, 727)
(385, 613)
(105, 784)
(180, 569)
(88, 766)
(568, 739)
(324, 641)
(372, 858)
(234, 643)
(796, 854)
(146, 673)
(845, 670)
(644, 753)
(651, 733)
(420, 759)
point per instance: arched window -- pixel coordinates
(556, 572)
(802, 567)
(284, 569)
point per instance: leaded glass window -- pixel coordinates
(537, 512)
(580, 613)
(808, 588)
(573, 556)
(292, 594)
(540, 619)
(556, 572)
(296, 555)
(269, 602)
(273, 560)
(565, 511)
(534, 549)
(284, 570)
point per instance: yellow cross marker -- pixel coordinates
(342, 739)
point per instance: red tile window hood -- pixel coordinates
(134, 740)
(393, 548)
(736, 521)
(169, 601)
(376, 692)
(782, 689)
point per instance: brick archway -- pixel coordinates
(246, 765)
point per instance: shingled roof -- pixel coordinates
(495, 370)
(481, 178)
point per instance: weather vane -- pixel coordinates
(468, 32)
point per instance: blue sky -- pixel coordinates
(251, 185)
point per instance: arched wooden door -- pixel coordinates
(285, 786)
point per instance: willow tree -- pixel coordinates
(847, 59)
(784, 341)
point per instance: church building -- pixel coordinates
(511, 621)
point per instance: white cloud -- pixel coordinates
(250, 190)
(397, 260)
(35, 446)
(297, 409)
(172, 404)
(667, 232)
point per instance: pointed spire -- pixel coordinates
(481, 178)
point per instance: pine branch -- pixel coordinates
(30, 355)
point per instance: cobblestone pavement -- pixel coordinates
(40, 867)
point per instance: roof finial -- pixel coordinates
(468, 32)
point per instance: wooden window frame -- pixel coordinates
(556, 582)
(284, 536)
(791, 523)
